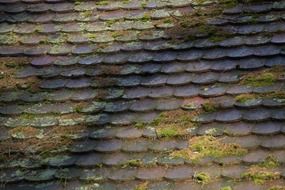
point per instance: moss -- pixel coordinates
(52, 140)
(208, 146)
(110, 22)
(170, 131)
(197, 22)
(142, 186)
(280, 95)
(260, 79)
(86, 14)
(167, 21)
(243, 98)
(269, 163)
(145, 18)
(202, 178)
(259, 175)
(277, 188)
(226, 188)
(132, 163)
(102, 3)
(117, 34)
(91, 36)
(24, 132)
(140, 125)
(126, 1)
(58, 38)
(216, 38)
(178, 118)
(209, 107)
(27, 116)
(143, 4)
(10, 38)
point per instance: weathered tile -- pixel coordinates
(238, 129)
(40, 175)
(277, 142)
(108, 145)
(179, 173)
(228, 116)
(248, 142)
(129, 133)
(123, 174)
(186, 91)
(116, 159)
(267, 128)
(256, 115)
(137, 146)
(151, 174)
(90, 159)
(233, 172)
(255, 157)
(96, 175)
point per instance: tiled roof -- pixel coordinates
(84, 84)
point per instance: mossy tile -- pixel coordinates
(40, 175)
(154, 173)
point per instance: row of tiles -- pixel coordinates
(114, 145)
(165, 185)
(228, 115)
(214, 129)
(148, 81)
(138, 159)
(63, 6)
(140, 105)
(39, 6)
(268, 142)
(127, 174)
(146, 56)
(132, 15)
(29, 28)
(140, 39)
(77, 70)
(84, 94)
(191, 56)
(155, 80)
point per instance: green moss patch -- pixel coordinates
(132, 163)
(243, 98)
(277, 188)
(209, 106)
(174, 123)
(259, 175)
(202, 178)
(264, 77)
(263, 171)
(260, 80)
(269, 162)
(208, 146)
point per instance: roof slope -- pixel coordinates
(81, 79)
